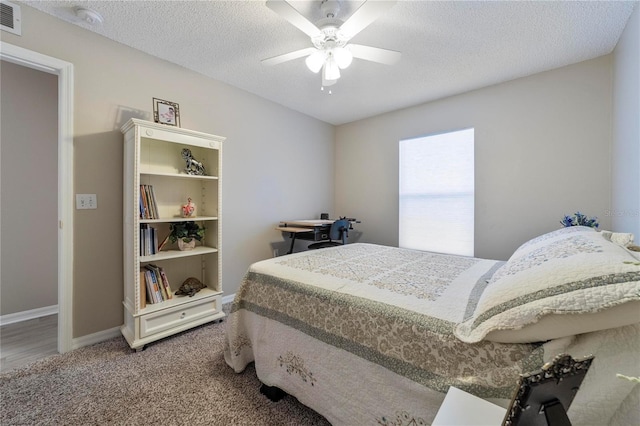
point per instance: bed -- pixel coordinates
(370, 334)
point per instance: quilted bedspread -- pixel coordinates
(363, 333)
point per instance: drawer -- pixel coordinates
(176, 317)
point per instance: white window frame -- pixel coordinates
(437, 192)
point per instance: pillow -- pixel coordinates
(634, 250)
(559, 275)
(554, 326)
(620, 238)
(537, 242)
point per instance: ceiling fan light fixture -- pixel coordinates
(342, 56)
(330, 36)
(331, 69)
(315, 61)
(327, 83)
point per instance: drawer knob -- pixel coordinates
(182, 315)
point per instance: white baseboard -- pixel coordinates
(101, 336)
(28, 315)
(228, 298)
(78, 342)
(92, 339)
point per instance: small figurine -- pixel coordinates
(190, 286)
(189, 209)
(193, 166)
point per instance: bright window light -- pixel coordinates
(437, 193)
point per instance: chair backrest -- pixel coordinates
(338, 228)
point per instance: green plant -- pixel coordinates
(186, 231)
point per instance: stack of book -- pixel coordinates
(157, 285)
(148, 206)
(148, 240)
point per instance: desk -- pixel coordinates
(308, 229)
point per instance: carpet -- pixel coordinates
(181, 380)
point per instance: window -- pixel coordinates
(437, 193)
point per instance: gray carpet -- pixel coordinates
(182, 380)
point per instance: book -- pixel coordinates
(148, 204)
(148, 240)
(141, 241)
(142, 209)
(143, 290)
(151, 297)
(164, 242)
(145, 243)
(154, 204)
(154, 238)
(155, 272)
(145, 205)
(155, 289)
(149, 207)
(165, 281)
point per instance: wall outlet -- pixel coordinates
(86, 201)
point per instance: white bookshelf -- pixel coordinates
(152, 156)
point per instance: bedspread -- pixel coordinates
(391, 309)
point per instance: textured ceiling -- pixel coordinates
(448, 47)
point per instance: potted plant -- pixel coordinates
(579, 219)
(186, 234)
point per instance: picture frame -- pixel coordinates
(543, 397)
(166, 112)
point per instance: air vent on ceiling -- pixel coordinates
(10, 19)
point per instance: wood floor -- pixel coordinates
(26, 341)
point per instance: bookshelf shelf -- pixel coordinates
(206, 293)
(175, 254)
(179, 219)
(155, 188)
(179, 176)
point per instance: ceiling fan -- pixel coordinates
(330, 37)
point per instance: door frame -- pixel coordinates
(64, 71)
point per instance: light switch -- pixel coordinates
(86, 201)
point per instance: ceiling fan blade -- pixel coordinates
(374, 54)
(294, 17)
(288, 56)
(361, 18)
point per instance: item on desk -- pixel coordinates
(324, 216)
(189, 209)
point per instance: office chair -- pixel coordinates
(339, 231)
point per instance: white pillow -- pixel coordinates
(554, 326)
(564, 274)
(542, 240)
(620, 238)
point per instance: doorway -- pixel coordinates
(64, 262)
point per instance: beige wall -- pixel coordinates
(260, 186)
(625, 197)
(29, 176)
(542, 147)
